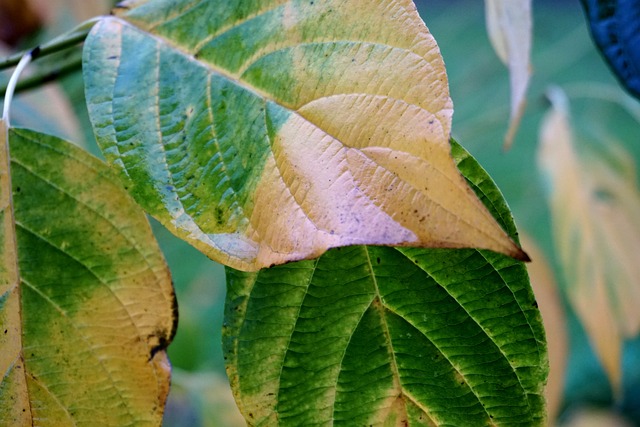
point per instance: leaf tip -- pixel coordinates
(522, 256)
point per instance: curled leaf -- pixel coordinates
(269, 131)
(595, 208)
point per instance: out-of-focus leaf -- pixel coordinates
(201, 399)
(615, 28)
(547, 295)
(595, 210)
(59, 15)
(593, 417)
(49, 110)
(17, 20)
(370, 335)
(509, 25)
(269, 131)
(86, 303)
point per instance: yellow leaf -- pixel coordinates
(509, 26)
(596, 222)
(14, 398)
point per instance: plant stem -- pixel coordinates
(24, 61)
(62, 42)
(47, 76)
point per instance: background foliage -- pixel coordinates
(563, 54)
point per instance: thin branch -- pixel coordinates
(48, 75)
(24, 61)
(65, 41)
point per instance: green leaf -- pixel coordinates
(269, 131)
(89, 308)
(370, 335)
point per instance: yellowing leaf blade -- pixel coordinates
(96, 309)
(272, 131)
(13, 388)
(596, 222)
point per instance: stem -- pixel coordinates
(62, 42)
(24, 61)
(47, 76)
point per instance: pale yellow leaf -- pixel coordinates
(509, 25)
(596, 222)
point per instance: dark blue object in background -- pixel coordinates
(615, 28)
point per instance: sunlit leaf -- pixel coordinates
(509, 25)
(86, 303)
(270, 131)
(370, 335)
(595, 207)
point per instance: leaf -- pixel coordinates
(596, 417)
(614, 28)
(269, 131)
(509, 25)
(596, 223)
(370, 335)
(86, 301)
(13, 388)
(549, 300)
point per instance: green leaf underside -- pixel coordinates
(384, 336)
(97, 305)
(268, 131)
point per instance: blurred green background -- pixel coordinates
(563, 54)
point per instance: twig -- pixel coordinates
(24, 61)
(62, 42)
(46, 76)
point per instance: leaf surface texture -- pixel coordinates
(89, 309)
(370, 335)
(269, 131)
